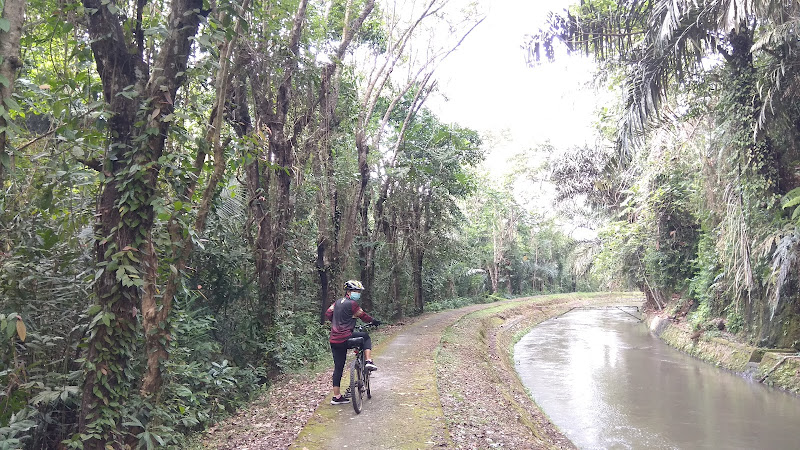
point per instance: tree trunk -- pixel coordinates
(258, 192)
(490, 272)
(125, 208)
(497, 257)
(366, 246)
(367, 253)
(761, 156)
(367, 249)
(535, 266)
(418, 255)
(14, 13)
(342, 217)
(285, 133)
(322, 271)
(395, 303)
(421, 224)
(156, 315)
(328, 228)
(112, 336)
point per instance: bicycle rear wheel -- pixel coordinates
(355, 388)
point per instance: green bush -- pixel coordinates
(706, 271)
(299, 340)
(16, 433)
(198, 367)
(39, 402)
(700, 316)
(458, 302)
(735, 322)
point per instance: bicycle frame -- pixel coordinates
(359, 375)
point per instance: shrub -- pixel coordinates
(735, 322)
(452, 303)
(701, 315)
(299, 340)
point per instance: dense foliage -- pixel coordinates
(699, 186)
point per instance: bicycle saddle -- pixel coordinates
(355, 342)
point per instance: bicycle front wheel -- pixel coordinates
(355, 388)
(366, 382)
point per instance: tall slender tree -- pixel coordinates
(285, 104)
(10, 33)
(406, 35)
(155, 313)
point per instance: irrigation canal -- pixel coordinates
(607, 383)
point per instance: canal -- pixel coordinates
(608, 383)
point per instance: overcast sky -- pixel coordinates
(489, 87)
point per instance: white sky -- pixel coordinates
(486, 85)
(489, 88)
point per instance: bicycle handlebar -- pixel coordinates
(367, 325)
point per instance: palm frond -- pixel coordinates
(785, 262)
(656, 43)
(780, 85)
(546, 270)
(232, 202)
(735, 230)
(584, 256)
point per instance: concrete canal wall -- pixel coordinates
(773, 367)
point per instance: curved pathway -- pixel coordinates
(405, 411)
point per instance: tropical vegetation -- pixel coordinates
(697, 177)
(186, 185)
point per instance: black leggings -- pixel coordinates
(340, 355)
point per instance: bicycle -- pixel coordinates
(359, 375)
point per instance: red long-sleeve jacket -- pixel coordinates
(342, 314)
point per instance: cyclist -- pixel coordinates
(342, 314)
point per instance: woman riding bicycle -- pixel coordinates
(342, 314)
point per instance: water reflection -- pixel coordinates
(608, 383)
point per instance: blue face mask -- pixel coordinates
(355, 295)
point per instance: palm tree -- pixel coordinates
(664, 46)
(660, 43)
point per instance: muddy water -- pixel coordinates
(609, 384)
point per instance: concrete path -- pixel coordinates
(405, 411)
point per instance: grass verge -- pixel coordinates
(475, 368)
